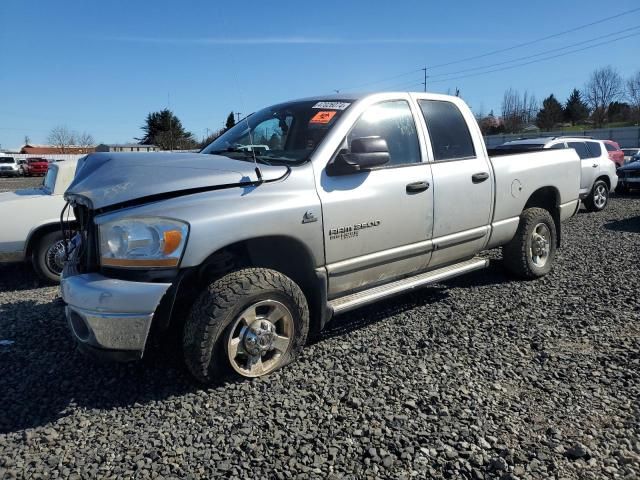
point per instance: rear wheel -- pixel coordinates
(531, 252)
(598, 198)
(248, 324)
(48, 257)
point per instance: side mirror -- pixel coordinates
(365, 154)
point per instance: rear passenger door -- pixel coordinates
(589, 165)
(462, 180)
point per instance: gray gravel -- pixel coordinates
(483, 377)
(15, 183)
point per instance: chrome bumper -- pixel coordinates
(109, 314)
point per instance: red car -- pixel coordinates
(615, 154)
(36, 166)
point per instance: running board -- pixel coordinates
(355, 300)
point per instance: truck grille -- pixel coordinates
(88, 255)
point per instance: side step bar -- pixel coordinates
(355, 300)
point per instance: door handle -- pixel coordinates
(479, 177)
(417, 187)
(595, 165)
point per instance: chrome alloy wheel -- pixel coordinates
(600, 196)
(540, 245)
(54, 257)
(260, 337)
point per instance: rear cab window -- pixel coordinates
(448, 130)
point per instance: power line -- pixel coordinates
(526, 57)
(379, 81)
(539, 60)
(537, 40)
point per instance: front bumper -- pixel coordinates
(108, 317)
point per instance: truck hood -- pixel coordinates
(635, 165)
(106, 179)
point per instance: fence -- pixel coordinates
(627, 137)
(48, 156)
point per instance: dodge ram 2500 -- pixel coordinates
(245, 252)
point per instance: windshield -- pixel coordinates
(49, 181)
(7, 160)
(288, 132)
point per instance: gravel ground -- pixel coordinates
(9, 184)
(481, 377)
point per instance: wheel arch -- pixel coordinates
(282, 253)
(548, 198)
(605, 179)
(37, 233)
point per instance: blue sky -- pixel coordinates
(101, 67)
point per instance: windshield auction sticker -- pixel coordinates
(332, 105)
(323, 116)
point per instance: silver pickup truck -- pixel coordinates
(242, 253)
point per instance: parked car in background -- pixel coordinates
(9, 167)
(22, 166)
(629, 176)
(598, 173)
(30, 222)
(36, 166)
(357, 199)
(631, 154)
(616, 155)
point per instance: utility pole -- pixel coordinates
(424, 84)
(238, 117)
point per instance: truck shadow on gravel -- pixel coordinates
(19, 276)
(43, 376)
(629, 225)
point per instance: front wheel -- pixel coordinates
(248, 323)
(598, 198)
(48, 257)
(531, 252)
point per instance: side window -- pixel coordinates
(580, 148)
(609, 147)
(557, 146)
(394, 122)
(595, 149)
(448, 130)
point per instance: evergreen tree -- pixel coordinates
(550, 114)
(575, 110)
(164, 129)
(231, 121)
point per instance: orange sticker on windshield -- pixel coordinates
(323, 116)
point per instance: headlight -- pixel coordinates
(142, 242)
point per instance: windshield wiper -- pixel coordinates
(244, 155)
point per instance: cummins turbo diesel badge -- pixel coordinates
(350, 231)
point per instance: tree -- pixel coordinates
(517, 110)
(84, 139)
(575, 110)
(633, 94)
(619, 112)
(165, 130)
(604, 86)
(550, 114)
(231, 121)
(61, 137)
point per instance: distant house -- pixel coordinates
(126, 147)
(52, 149)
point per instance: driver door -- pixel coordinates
(378, 223)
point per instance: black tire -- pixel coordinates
(41, 264)
(214, 314)
(591, 202)
(518, 253)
